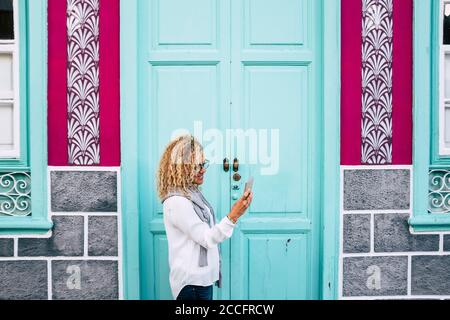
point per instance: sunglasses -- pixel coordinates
(204, 165)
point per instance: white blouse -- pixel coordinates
(185, 234)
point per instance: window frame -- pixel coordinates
(426, 110)
(440, 155)
(17, 47)
(33, 87)
(443, 50)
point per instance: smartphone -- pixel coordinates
(248, 185)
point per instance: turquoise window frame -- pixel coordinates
(437, 161)
(33, 122)
(426, 115)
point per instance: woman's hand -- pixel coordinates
(241, 206)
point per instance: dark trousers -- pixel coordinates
(196, 293)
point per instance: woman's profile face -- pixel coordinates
(198, 179)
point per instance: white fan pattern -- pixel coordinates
(377, 48)
(83, 105)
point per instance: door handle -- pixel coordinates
(236, 165)
(226, 165)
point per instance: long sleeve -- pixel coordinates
(183, 216)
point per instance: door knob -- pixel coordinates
(226, 165)
(236, 165)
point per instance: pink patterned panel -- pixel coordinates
(57, 83)
(83, 82)
(110, 82)
(402, 115)
(377, 57)
(351, 61)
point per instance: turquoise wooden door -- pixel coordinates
(250, 66)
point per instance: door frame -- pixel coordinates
(129, 74)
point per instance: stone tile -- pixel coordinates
(102, 236)
(447, 242)
(430, 275)
(392, 235)
(83, 191)
(356, 233)
(85, 280)
(376, 189)
(67, 240)
(375, 276)
(23, 280)
(6, 247)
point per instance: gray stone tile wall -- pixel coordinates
(83, 191)
(85, 280)
(6, 247)
(430, 275)
(66, 240)
(23, 280)
(357, 233)
(376, 189)
(72, 251)
(381, 258)
(392, 234)
(103, 236)
(375, 276)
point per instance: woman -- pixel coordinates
(192, 232)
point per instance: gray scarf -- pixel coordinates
(201, 206)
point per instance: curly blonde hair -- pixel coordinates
(178, 165)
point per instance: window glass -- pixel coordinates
(9, 82)
(6, 75)
(6, 20)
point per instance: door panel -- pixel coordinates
(276, 264)
(181, 23)
(162, 286)
(275, 99)
(272, 23)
